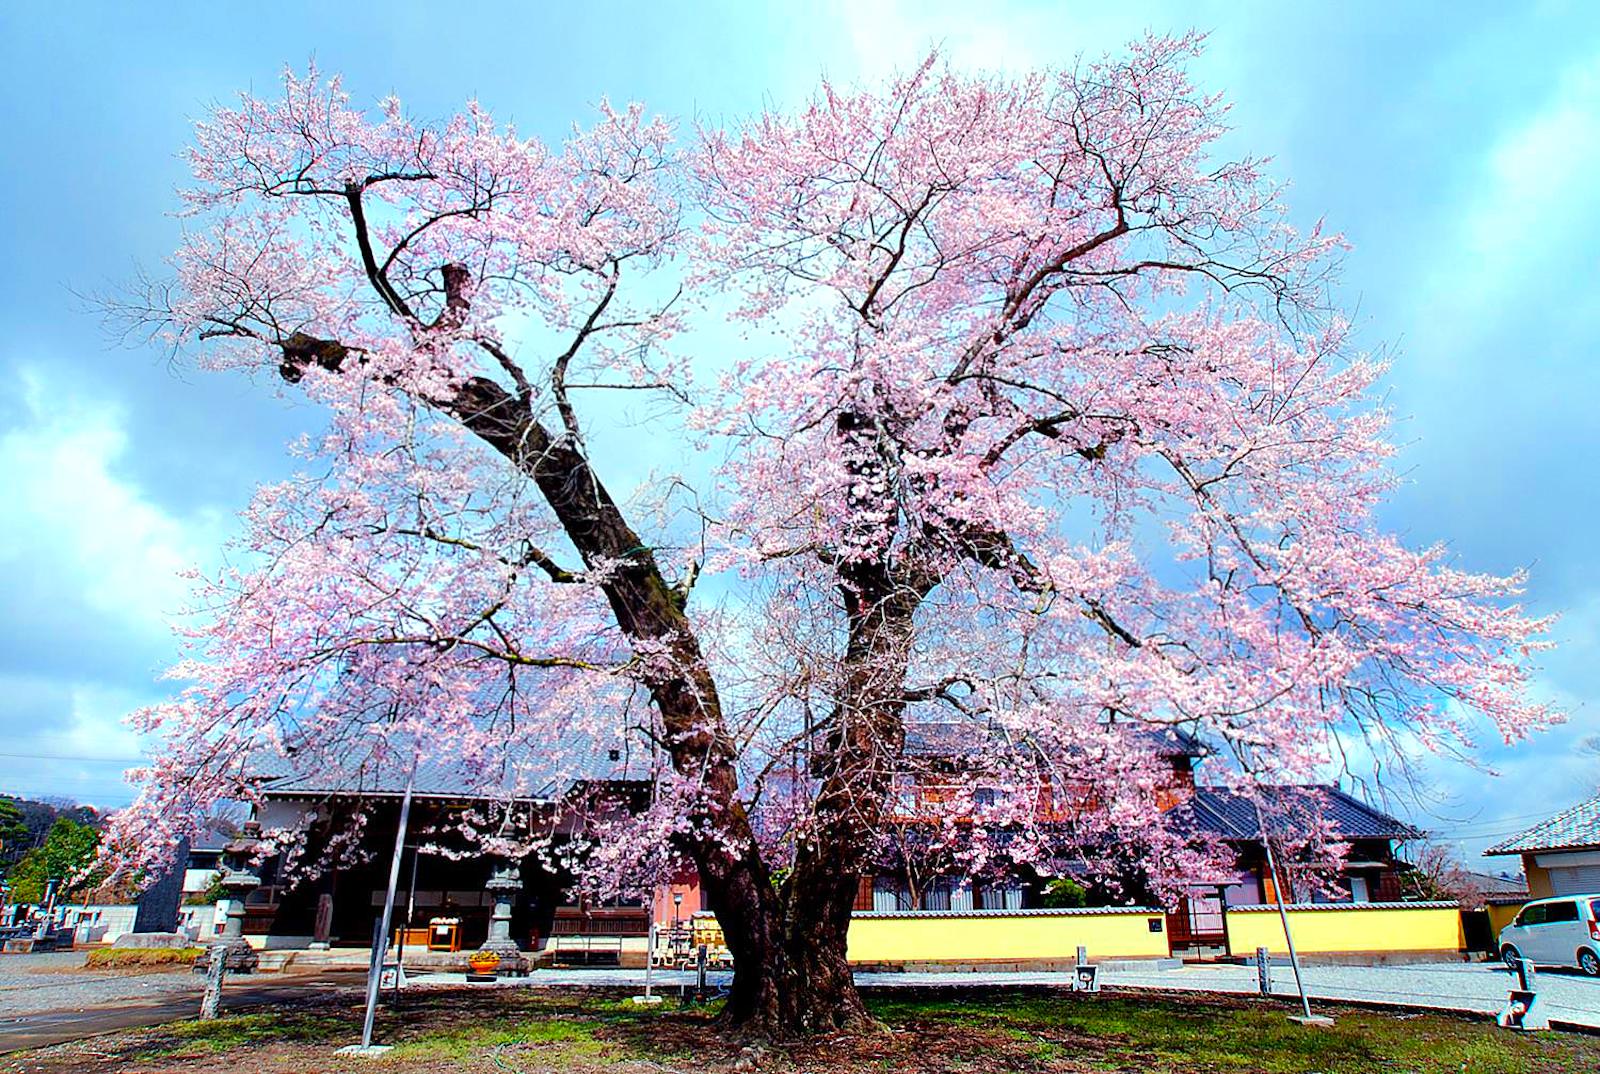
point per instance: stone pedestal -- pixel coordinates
(503, 885)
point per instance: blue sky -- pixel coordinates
(1457, 146)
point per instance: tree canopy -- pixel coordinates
(1000, 403)
(68, 856)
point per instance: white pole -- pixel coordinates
(649, 960)
(375, 975)
(1283, 914)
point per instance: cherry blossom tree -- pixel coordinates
(1006, 404)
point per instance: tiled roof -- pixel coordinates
(955, 738)
(1232, 815)
(525, 773)
(1497, 884)
(1577, 827)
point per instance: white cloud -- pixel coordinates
(894, 36)
(90, 580)
(1528, 223)
(69, 516)
(71, 742)
(1540, 176)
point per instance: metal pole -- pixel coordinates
(375, 976)
(1283, 914)
(649, 960)
(411, 910)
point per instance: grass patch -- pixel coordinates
(120, 958)
(536, 1031)
(249, 1030)
(1158, 1034)
(568, 1037)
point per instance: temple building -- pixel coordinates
(444, 875)
(446, 880)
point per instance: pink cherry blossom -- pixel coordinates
(1014, 409)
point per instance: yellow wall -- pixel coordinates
(1538, 878)
(1000, 935)
(1346, 928)
(1500, 915)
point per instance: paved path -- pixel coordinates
(50, 999)
(1478, 987)
(56, 980)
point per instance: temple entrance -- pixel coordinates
(1198, 927)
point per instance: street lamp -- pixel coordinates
(677, 901)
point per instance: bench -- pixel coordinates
(586, 950)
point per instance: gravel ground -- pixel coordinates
(57, 981)
(1479, 987)
(1464, 986)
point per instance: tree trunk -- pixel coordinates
(791, 975)
(791, 978)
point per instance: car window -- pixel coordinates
(1561, 911)
(1594, 909)
(1532, 915)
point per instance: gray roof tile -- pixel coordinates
(525, 773)
(1576, 827)
(1231, 815)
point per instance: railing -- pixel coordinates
(601, 921)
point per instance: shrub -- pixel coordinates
(1064, 894)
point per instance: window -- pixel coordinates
(889, 895)
(1561, 911)
(1532, 915)
(986, 797)
(1000, 897)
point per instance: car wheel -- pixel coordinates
(1510, 955)
(1589, 962)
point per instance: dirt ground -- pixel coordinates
(528, 1031)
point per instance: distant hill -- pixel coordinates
(37, 817)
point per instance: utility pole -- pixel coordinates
(380, 942)
(1307, 1018)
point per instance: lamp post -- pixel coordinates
(504, 883)
(239, 879)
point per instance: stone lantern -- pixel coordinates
(239, 879)
(504, 882)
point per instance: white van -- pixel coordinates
(1564, 931)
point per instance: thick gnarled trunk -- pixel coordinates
(792, 978)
